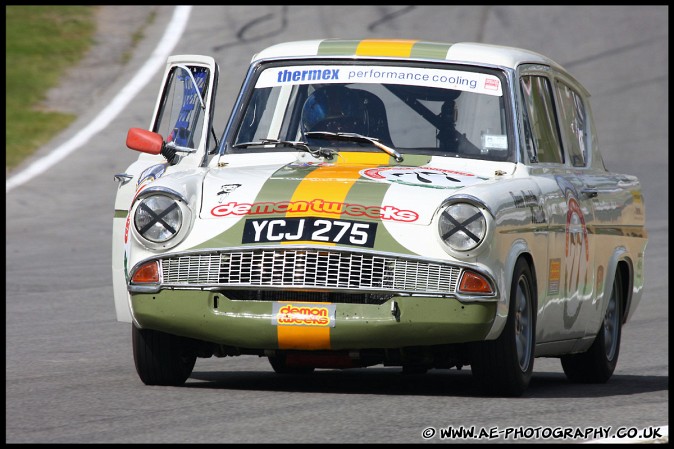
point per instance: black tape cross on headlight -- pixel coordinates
(461, 226)
(157, 218)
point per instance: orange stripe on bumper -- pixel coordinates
(303, 337)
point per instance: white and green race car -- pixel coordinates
(398, 202)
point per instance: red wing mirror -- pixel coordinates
(144, 141)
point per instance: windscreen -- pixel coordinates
(455, 111)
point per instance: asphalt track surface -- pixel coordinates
(70, 376)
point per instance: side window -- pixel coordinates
(540, 123)
(181, 113)
(573, 124)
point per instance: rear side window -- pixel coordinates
(573, 124)
(540, 122)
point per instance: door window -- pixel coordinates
(182, 110)
(540, 123)
(573, 124)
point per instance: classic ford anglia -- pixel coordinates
(377, 202)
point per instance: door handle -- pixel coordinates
(589, 192)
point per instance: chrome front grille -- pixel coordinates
(309, 269)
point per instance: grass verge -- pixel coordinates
(41, 43)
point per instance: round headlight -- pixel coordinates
(158, 218)
(462, 226)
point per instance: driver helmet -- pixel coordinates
(335, 108)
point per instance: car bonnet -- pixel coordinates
(354, 185)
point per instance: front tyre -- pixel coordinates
(597, 364)
(503, 366)
(161, 358)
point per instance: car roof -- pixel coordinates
(460, 52)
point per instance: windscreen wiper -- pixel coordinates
(326, 153)
(353, 137)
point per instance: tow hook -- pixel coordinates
(395, 310)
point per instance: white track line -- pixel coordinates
(173, 32)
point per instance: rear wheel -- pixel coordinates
(161, 358)
(504, 366)
(597, 364)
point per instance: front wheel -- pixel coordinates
(503, 366)
(597, 364)
(161, 358)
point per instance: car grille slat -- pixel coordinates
(309, 269)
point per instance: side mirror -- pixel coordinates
(152, 143)
(144, 141)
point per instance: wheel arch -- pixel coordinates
(519, 249)
(626, 271)
(532, 266)
(620, 263)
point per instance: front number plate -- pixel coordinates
(346, 232)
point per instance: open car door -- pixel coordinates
(183, 119)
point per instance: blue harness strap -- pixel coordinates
(187, 118)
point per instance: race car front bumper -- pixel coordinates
(400, 321)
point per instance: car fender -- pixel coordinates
(619, 254)
(131, 182)
(187, 184)
(518, 247)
